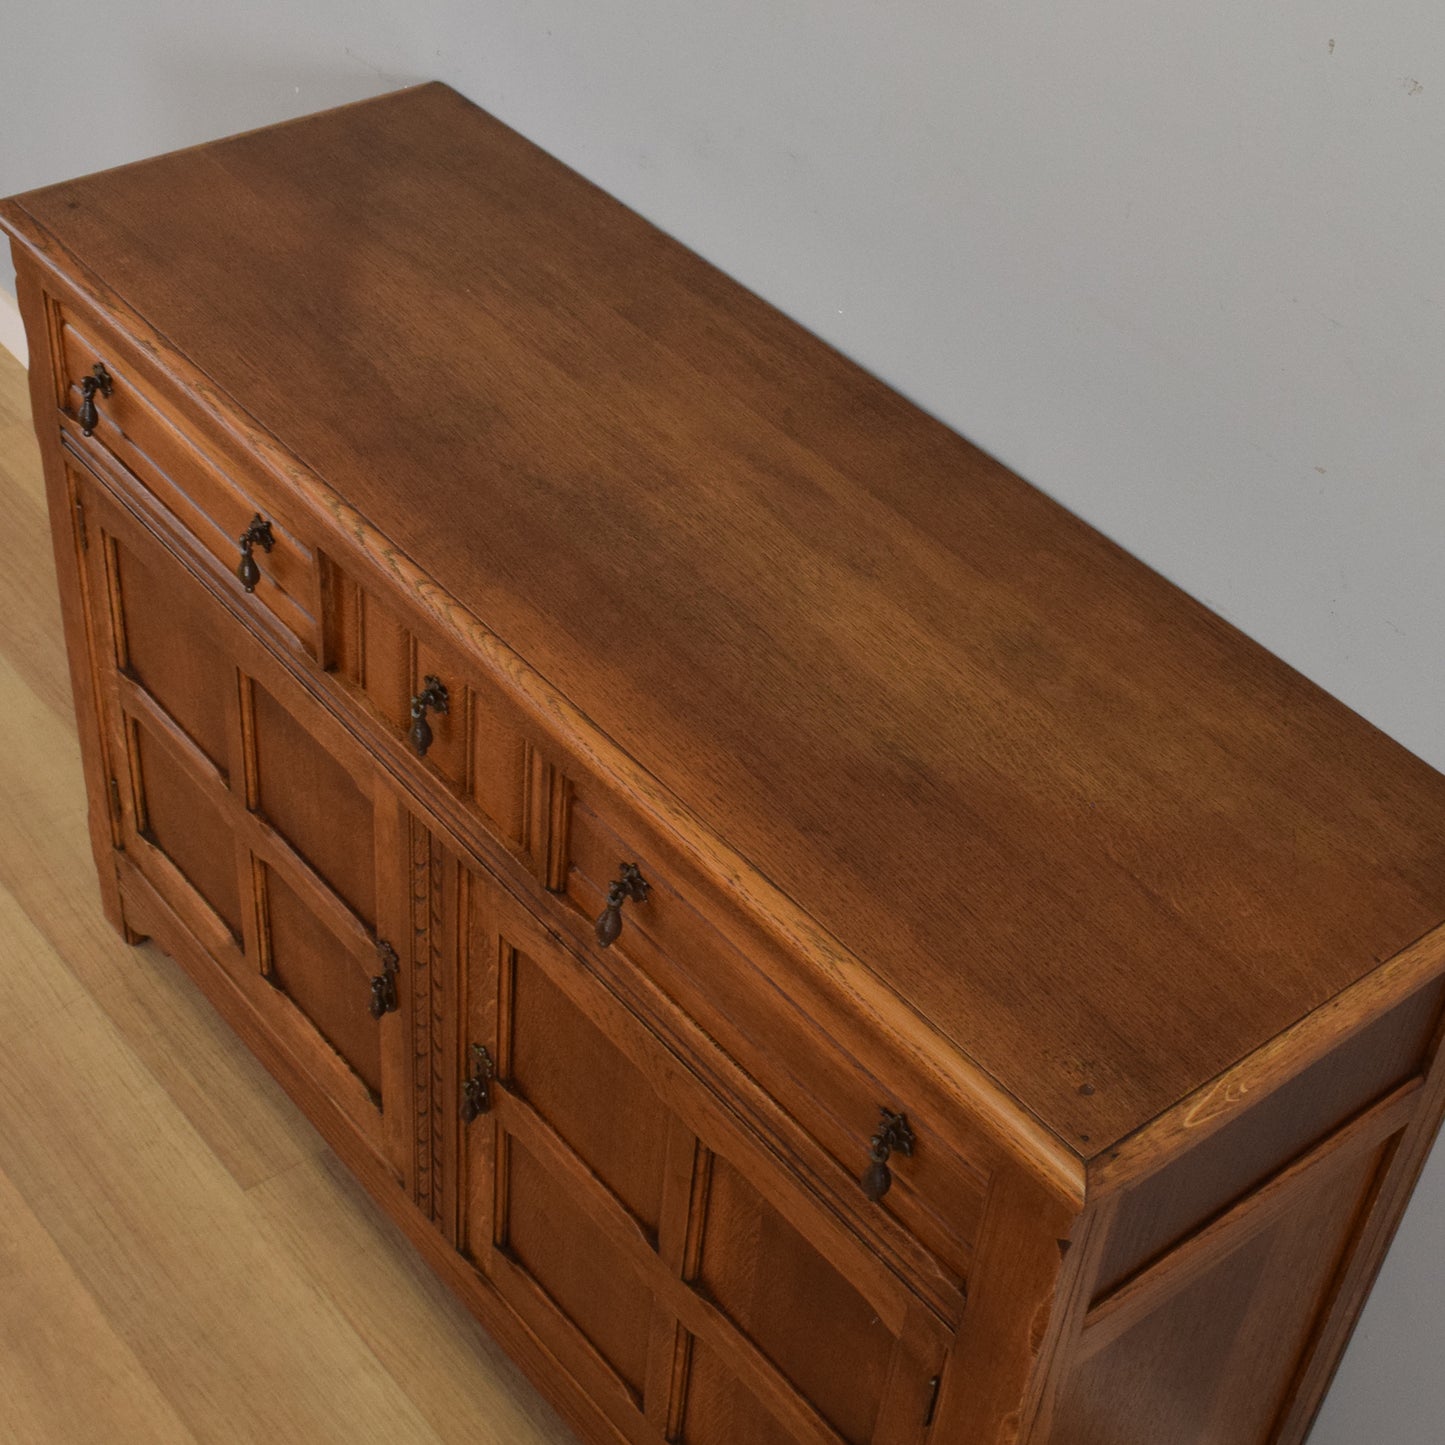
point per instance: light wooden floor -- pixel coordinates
(181, 1257)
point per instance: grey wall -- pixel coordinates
(1179, 265)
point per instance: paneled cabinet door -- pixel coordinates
(668, 1260)
(252, 814)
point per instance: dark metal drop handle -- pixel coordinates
(477, 1087)
(432, 698)
(893, 1136)
(258, 534)
(384, 998)
(98, 381)
(629, 884)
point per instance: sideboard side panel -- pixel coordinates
(1234, 1330)
(1376, 1232)
(1213, 1360)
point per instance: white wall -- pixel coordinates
(1178, 265)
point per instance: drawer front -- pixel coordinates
(452, 723)
(935, 1195)
(142, 422)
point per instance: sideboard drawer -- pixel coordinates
(475, 741)
(137, 423)
(936, 1194)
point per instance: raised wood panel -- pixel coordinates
(170, 651)
(599, 1102)
(168, 750)
(325, 977)
(556, 1221)
(501, 769)
(314, 803)
(720, 1411)
(579, 1268)
(253, 861)
(373, 649)
(794, 1305)
(176, 816)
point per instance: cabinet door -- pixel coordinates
(668, 1260)
(251, 813)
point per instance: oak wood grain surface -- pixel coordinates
(1101, 841)
(181, 1257)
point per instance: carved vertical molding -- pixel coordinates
(440, 1117)
(425, 1173)
(429, 1028)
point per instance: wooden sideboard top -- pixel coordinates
(1104, 843)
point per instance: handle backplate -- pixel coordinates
(258, 534)
(100, 381)
(893, 1137)
(629, 884)
(477, 1086)
(432, 698)
(384, 999)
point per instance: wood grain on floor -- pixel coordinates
(181, 1257)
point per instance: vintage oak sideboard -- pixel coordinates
(810, 940)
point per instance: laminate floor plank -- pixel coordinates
(19, 450)
(431, 1346)
(33, 642)
(36, 991)
(64, 1372)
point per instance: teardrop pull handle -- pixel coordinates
(477, 1086)
(629, 883)
(384, 998)
(432, 698)
(258, 534)
(893, 1136)
(100, 381)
